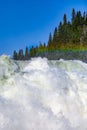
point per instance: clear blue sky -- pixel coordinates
(26, 22)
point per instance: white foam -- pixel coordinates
(43, 95)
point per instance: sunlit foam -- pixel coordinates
(43, 95)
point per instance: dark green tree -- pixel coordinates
(78, 20)
(60, 32)
(50, 41)
(32, 51)
(40, 45)
(15, 55)
(20, 54)
(55, 38)
(86, 19)
(73, 15)
(64, 19)
(44, 45)
(26, 53)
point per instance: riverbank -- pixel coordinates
(64, 54)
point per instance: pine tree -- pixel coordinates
(64, 19)
(20, 55)
(41, 45)
(32, 51)
(50, 41)
(15, 56)
(78, 20)
(26, 53)
(60, 32)
(84, 17)
(55, 38)
(44, 45)
(73, 15)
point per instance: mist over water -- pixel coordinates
(43, 95)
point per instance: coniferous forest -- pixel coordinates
(69, 41)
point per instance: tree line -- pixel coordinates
(69, 35)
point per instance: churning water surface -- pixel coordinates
(43, 95)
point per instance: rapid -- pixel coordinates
(43, 95)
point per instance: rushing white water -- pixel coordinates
(43, 95)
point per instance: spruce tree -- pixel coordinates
(73, 15)
(50, 41)
(64, 19)
(55, 37)
(26, 53)
(32, 51)
(15, 56)
(20, 55)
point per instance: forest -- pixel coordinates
(68, 41)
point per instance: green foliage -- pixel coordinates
(20, 54)
(26, 53)
(70, 35)
(50, 41)
(15, 55)
(73, 16)
(64, 19)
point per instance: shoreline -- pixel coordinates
(64, 54)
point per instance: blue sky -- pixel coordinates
(26, 22)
